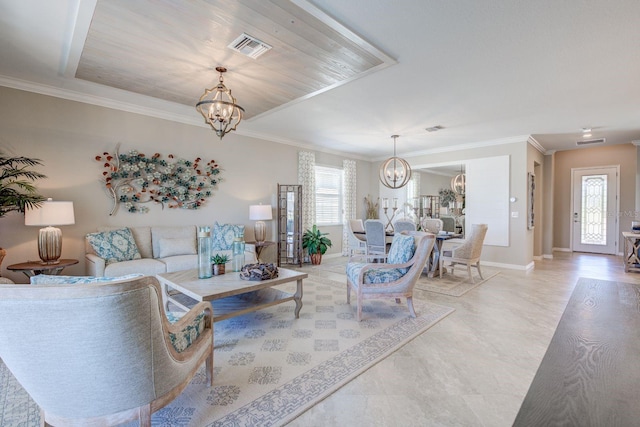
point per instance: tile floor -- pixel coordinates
(474, 367)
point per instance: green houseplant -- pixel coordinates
(315, 243)
(219, 261)
(17, 191)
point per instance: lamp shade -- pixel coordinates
(260, 212)
(50, 213)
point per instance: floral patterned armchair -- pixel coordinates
(396, 278)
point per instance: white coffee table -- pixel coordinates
(229, 295)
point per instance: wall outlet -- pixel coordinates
(515, 214)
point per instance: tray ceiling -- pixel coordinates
(169, 51)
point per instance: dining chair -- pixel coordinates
(404, 225)
(101, 353)
(376, 237)
(395, 278)
(357, 242)
(432, 225)
(467, 253)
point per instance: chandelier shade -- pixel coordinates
(219, 107)
(395, 172)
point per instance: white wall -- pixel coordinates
(67, 135)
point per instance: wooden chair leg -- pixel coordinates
(479, 272)
(348, 293)
(145, 415)
(469, 272)
(410, 305)
(209, 367)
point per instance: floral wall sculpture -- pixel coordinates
(136, 180)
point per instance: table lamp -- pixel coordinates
(259, 214)
(50, 213)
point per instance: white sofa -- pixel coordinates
(162, 249)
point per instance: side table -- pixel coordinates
(260, 246)
(33, 268)
(631, 247)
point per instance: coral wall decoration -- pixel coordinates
(134, 180)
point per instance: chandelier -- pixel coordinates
(219, 108)
(395, 172)
(459, 182)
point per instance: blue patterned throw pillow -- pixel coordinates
(223, 235)
(402, 250)
(115, 245)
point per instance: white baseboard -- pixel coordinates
(561, 249)
(547, 256)
(508, 266)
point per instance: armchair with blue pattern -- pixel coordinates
(396, 278)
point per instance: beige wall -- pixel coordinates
(624, 155)
(517, 254)
(67, 136)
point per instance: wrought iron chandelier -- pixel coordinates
(219, 108)
(459, 182)
(395, 172)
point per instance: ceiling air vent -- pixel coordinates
(249, 46)
(434, 128)
(591, 141)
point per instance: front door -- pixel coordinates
(595, 209)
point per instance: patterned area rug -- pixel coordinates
(455, 285)
(270, 367)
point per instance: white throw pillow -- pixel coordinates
(171, 247)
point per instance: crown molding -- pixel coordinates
(535, 144)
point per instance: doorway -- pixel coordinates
(595, 209)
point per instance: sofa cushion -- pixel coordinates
(223, 235)
(146, 266)
(182, 340)
(142, 237)
(401, 251)
(374, 276)
(46, 279)
(115, 245)
(180, 262)
(177, 246)
(164, 232)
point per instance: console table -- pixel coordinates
(631, 246)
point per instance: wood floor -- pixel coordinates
(475, 367)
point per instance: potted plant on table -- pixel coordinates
(315, 243)
(17, 191)
(219, 261)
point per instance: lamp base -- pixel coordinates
(260, 231)
(50, 245)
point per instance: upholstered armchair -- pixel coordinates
(396, 278)
(101, 353)
(468, 253)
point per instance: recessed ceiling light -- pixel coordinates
(586, 135)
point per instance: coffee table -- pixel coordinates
(229, 295)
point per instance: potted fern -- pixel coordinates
(17, 191)
(315, 243)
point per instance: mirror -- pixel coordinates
(289, 224)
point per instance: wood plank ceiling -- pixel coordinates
(169, 50)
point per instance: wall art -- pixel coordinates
(136, 180)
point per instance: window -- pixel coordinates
(328, 195)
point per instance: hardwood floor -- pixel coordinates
(475, 367)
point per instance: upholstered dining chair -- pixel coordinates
(404, 225)
(396, 278)
(467, 253)
(101, 353)
(376, 237)
(432, 225)
(357, 242)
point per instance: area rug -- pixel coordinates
(454, 285)
(270, 367)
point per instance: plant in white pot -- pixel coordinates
(315, 243)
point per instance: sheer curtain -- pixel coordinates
(307, 178)
(349, 200)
